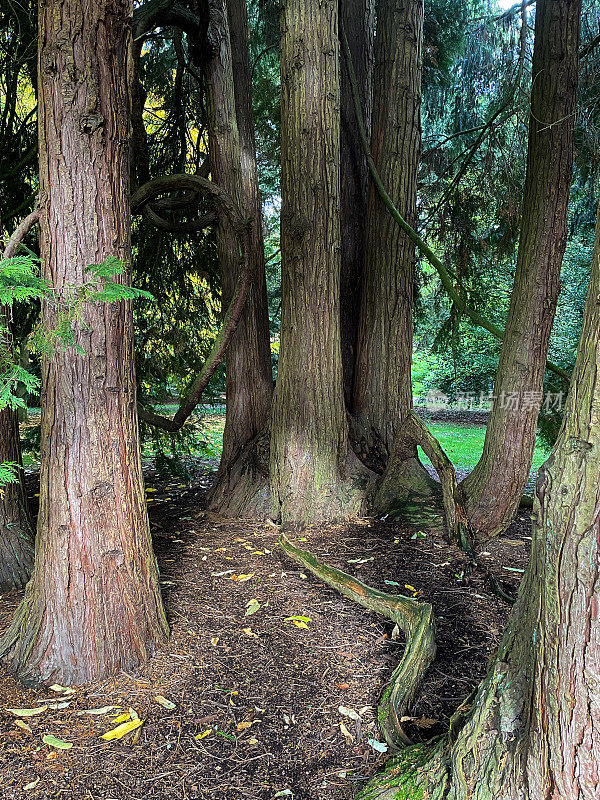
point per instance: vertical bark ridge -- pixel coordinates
(233, 167)
(494, 488)
(243, 470)
(93, 604)
(312, 473)
(382, 388)
(357, 21)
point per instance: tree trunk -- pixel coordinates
(93, 604)
(382, 384)
(357, 23)
(233, 168)
(233, 163)
(493, 490)
(16, 532)
(313, 477)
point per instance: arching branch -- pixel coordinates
(141, 197)
(20, 233)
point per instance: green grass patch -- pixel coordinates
(464, 444)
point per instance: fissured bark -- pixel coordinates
(233, 168)
(93, 604)
(249, 377)
(313, 476)
(357, 24)
(493, 490)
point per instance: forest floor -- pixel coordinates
(256, 697)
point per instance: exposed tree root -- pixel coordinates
(413, 618)
(415, 432)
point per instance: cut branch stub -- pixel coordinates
(171, 183)
(413, 618)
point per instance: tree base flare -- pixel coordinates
(241, 487)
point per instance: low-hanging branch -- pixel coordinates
(20, 233)
(197, 184)
(414, 619)
(421, 246)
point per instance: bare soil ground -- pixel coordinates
(256, 698)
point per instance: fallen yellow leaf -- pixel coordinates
(245, 576)
(122, 717)
(122, 730)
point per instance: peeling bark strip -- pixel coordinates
(93, 604)
(312, 474)
(494, 488)
(413, 618)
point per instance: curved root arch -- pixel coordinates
(199, 185)
(413, 618)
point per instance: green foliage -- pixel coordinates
(9, 473)
(20, 282)
(69, 304)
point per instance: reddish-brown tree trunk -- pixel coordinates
(249, 377)
(93, 604)
(16, 532)
(312, 474)
(357, 23)
(493, 490)
(382, 383)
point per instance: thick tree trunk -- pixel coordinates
(93, 604)
(313, 476)
(16, 532)
(382, 384)
(248, 360)
(493, 490)
(357, 23)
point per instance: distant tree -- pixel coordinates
(16, 531)
(93, 604)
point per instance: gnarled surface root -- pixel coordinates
(413, 618)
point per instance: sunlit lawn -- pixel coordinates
(464, 444)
